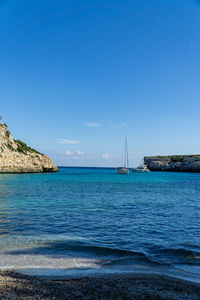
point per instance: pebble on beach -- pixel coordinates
(130, 286)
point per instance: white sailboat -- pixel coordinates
(125, 169)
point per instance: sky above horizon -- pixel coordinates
(78, 76)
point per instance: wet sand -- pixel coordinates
(129, 286)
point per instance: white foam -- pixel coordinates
(41, 261)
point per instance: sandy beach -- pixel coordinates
(129, 286)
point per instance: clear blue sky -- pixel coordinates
(77, 76)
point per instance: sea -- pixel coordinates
(91, 221)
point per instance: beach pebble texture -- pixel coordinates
(132, 286)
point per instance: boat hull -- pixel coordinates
(140, 170)
(124, 171)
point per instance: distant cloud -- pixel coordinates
(75, 153)
(68, 153)
(92, 124)
(117, 125)
(78, 152)
(111, 124)
(67, 142)
(105, 156)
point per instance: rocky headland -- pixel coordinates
(17, 157)
(173, 163)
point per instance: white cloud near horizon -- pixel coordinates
(68, 153)
(78, 152)
(111, 124)
(92, 124)
(67, 142)
(75, 153)
(106, 156)
(117, 125)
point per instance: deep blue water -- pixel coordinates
(92, 219)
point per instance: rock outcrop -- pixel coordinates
(174, 163)
(17, 157)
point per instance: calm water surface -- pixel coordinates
(91, 220)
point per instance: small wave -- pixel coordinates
(99, 250)
(181, 252)
(178, 255)
(101, 256)
(78, 249)
(108, 255)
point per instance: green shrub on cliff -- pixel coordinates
(176, 158)
(7, 133)
(23, 148)
(10, 147)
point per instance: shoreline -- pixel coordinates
(14, 285)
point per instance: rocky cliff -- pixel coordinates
(17, 157)
(174, 163)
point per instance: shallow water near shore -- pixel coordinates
(84, 221)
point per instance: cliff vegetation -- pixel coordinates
(17, 157)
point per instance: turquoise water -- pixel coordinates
(91, 220)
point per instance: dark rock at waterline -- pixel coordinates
(173, 163)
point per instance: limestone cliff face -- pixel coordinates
(175, 163)
(17, 157)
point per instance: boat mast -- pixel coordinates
(126, 154)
